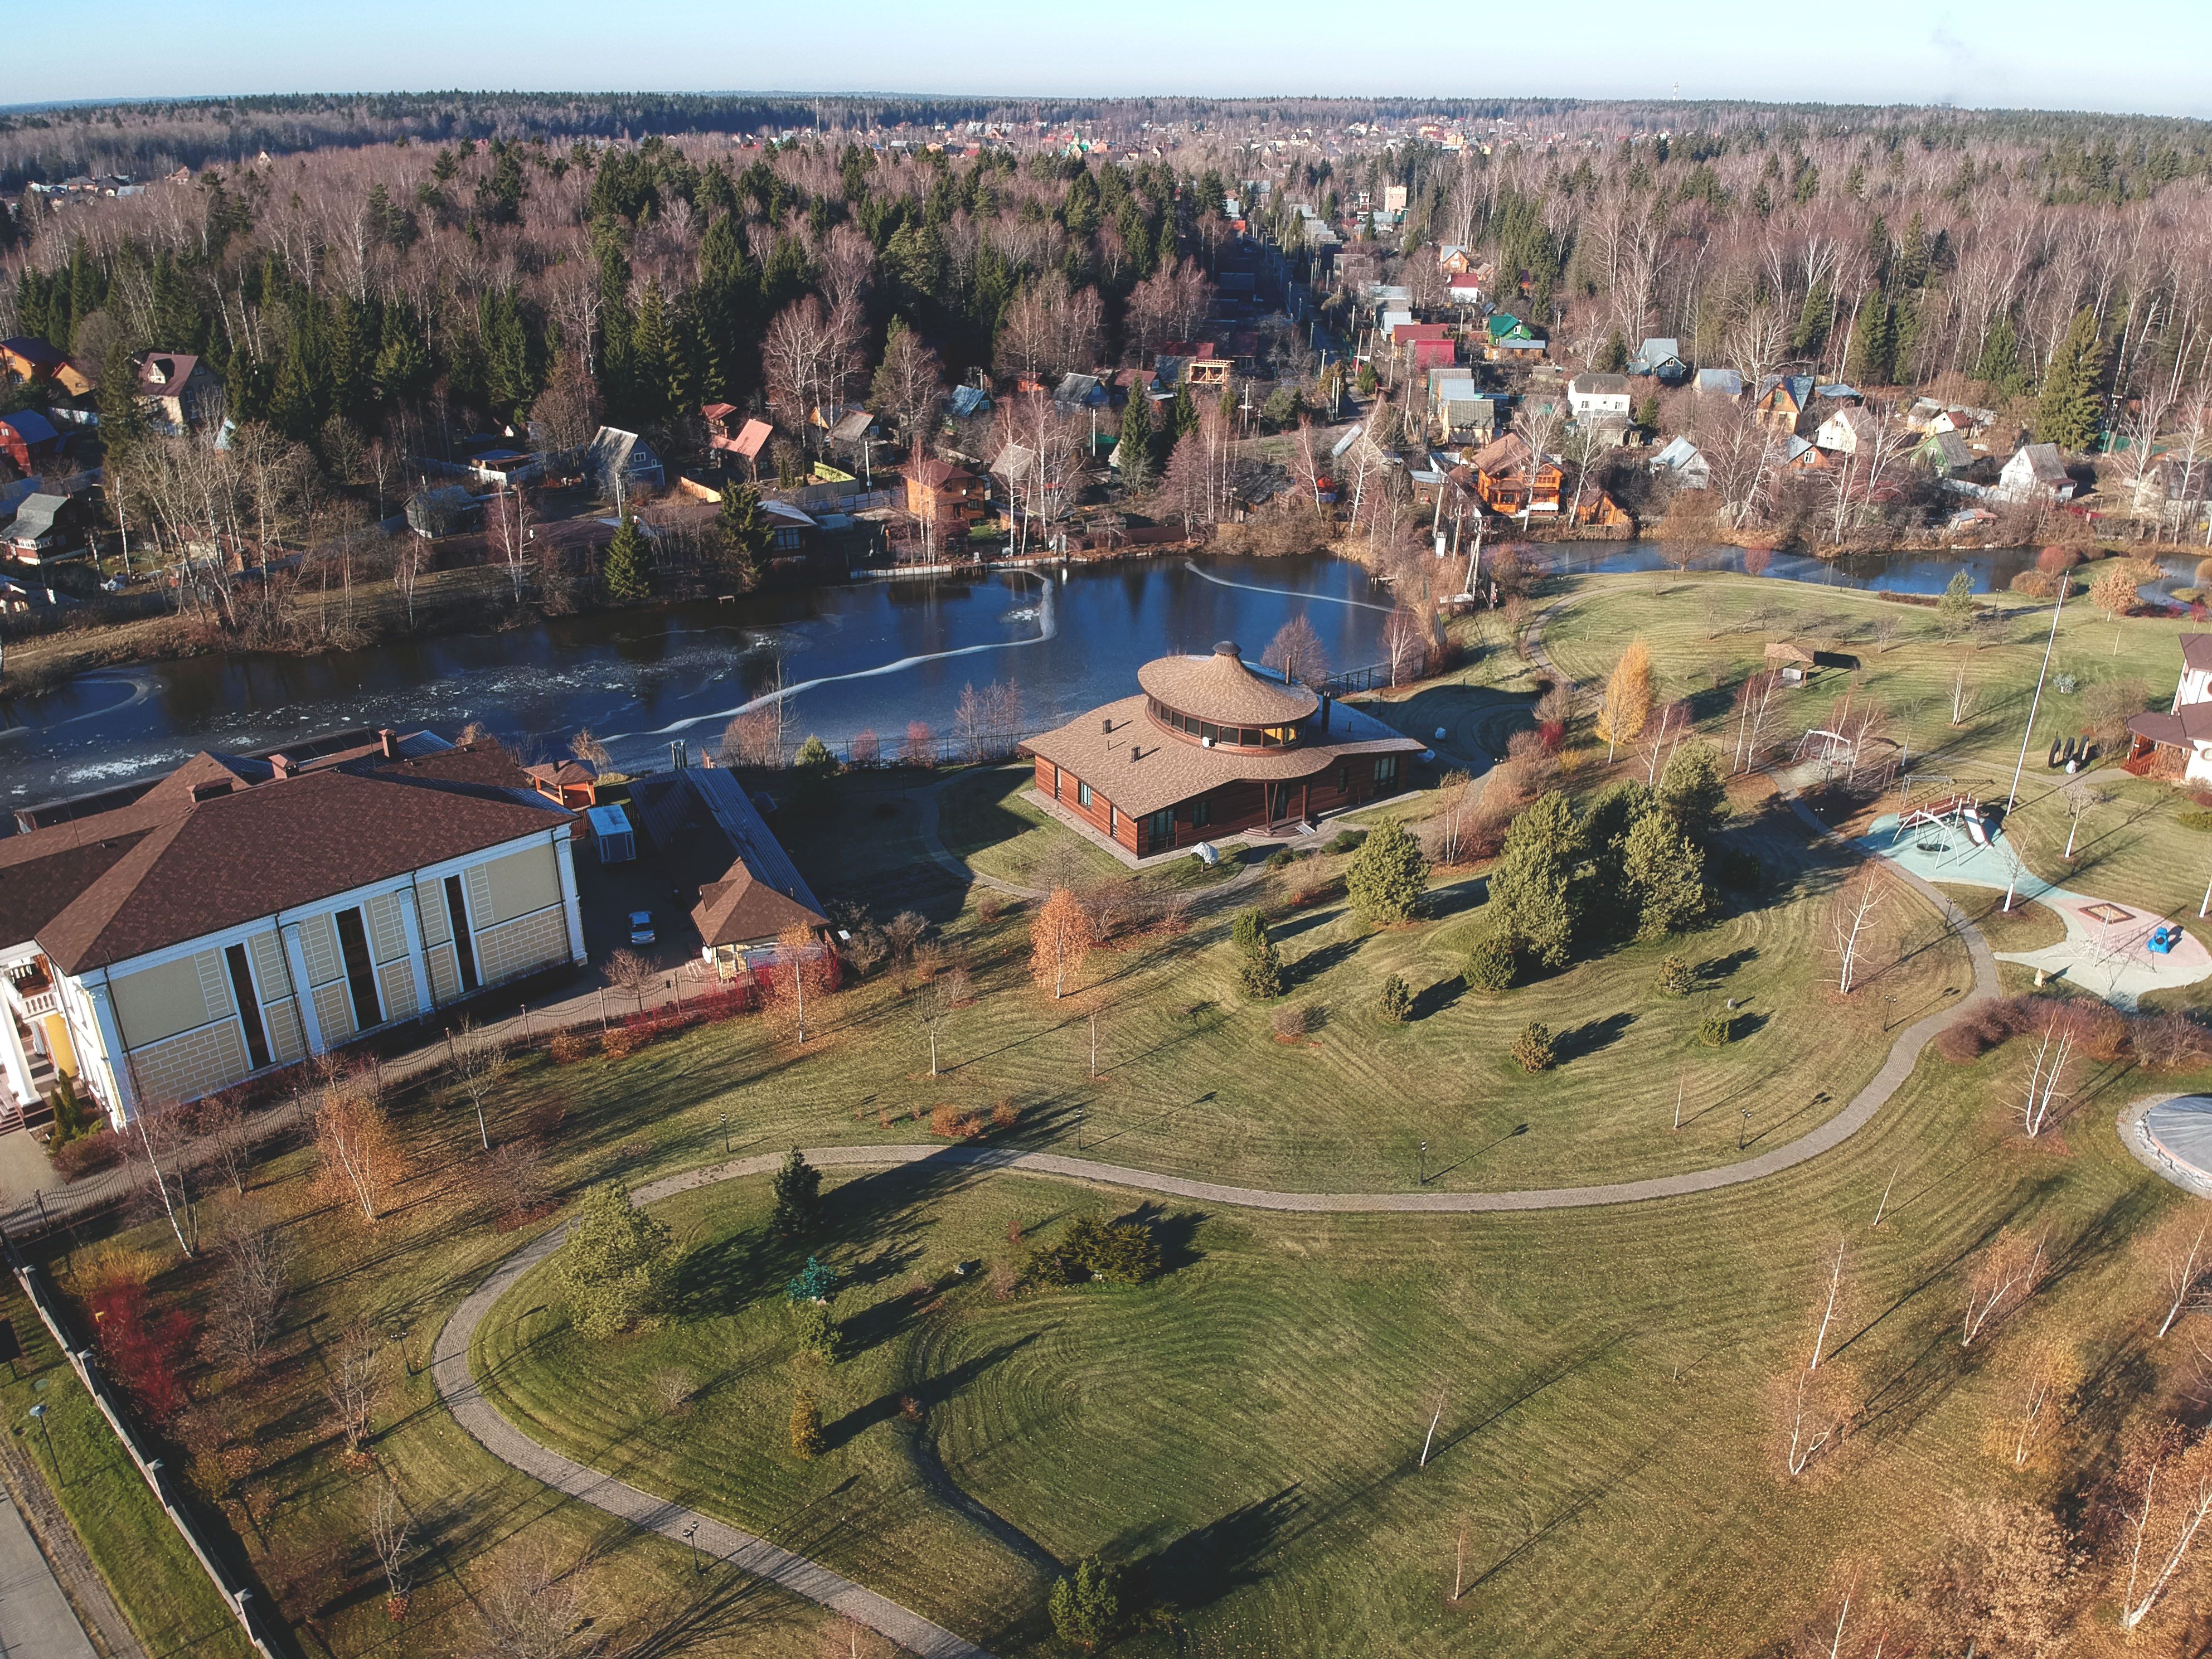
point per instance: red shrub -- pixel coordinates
(1553, 734)
(142, 1348)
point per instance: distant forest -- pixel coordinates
(51, 142)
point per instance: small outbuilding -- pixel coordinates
(610, 829)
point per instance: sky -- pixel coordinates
(2152, 59)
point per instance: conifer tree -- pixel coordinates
(1532, 904)
(746, 530)
(629, 574)
(2070, 410)
(1184, 421)
(1136, 439)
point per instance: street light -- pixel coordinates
(1425, 1163)
(39, 1416)
(1744, 1129)
(691, 1537)
(725, 1134)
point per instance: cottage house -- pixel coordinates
(1662, 359)
(1685, 463)
(28, 439)
(28, 358)
(1945, 454)
(1782, 401)
(746, 889)
(178, 391)
(246, 912)
(1508, 339)
(2036, 472)
(2175, 489)
(1594, 396)
(1848, 431)
(444, 510)
(940, 494)
(47, 527)
(729, 435)
(2187, 726)
(1510, 478)
(1210, 748)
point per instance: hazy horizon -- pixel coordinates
(1607, 50)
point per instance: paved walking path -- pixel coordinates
(35, 1620)
(717, 1539)
(450, 1364)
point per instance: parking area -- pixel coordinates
(607, 893)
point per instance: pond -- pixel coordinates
(869, 655)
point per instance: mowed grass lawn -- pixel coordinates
(1247, 1427)
(1246, 1431)
(1706, 632)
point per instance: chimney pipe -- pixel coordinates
(1106, 726)
(388, 741)
(1136, 754)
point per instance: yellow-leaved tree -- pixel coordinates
(1627, 697)
(1059, 937)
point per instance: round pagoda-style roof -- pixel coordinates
(1221, 688)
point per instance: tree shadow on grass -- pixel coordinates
(1317, 961)
(1444, 993)
(1208, 1562)
(1591, 1035)
(1175, 1231)
(1715, 968)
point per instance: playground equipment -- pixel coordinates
(1935, 810)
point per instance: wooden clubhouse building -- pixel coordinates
(1211, 748)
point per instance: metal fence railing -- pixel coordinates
(237, 1598)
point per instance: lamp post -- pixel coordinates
(1743, 1129)
(1425, 1163)
(725, 1134)
(691, 1537)
(39, 1416)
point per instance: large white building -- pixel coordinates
(248, 911)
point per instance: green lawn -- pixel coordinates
(1246, 1432)
(1706, 631)
(160, 1587)
(1246, 1429)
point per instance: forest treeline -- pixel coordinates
(48, 143)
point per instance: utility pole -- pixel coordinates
(2013, 800)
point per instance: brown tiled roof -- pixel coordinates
(171, 867)
(934, 474)
(739, 910)
(1219, 687)
(1120, 752)
(2197, 651)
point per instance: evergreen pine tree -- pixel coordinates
(121, 422)
(2071, 407)
(796, 1186)
(1999, 364)
(1136, 439)
(1533, 903)
(629, 575)
(746, 531)
(1873, 344)
(1184, 420)
(1612, 356)
(1663, 877)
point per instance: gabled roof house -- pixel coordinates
(247, 911)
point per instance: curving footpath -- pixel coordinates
(457, 1387)
(449, 1368)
